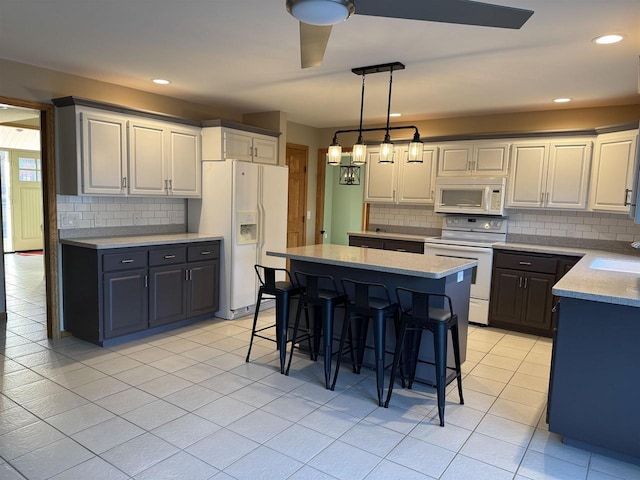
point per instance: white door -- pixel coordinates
(104, 154)
(568, 177)
(237, 146)
(265, 150)
(528, 175)
(455, 159)
(380, 181)
(26, 200)
(184, 162)
(491, 159)
(273, 214)
(147, 175)
(243, 255)
(416, 181)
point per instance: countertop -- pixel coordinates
(413, 264)
(139, 241)
(586, 283)
(391, 236)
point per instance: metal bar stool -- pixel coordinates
(283, 291)
(322, 295)
(417, 315)
(368, 301)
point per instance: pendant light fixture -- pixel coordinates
(386, 154)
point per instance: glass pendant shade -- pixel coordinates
(386, 152)
(416, 150)
(335, 154)
(359, 154)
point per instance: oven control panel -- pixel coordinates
(475, 224)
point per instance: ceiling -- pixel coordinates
(245, 54)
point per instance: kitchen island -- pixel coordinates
(432, 273)
(594, 393)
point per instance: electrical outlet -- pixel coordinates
(173, 216)
(99, 220)
(137, 218)
(70, 219)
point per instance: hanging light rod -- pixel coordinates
(416, 147)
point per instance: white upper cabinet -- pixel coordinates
(223, 143)
(183, 165)
(482, 158)
(400, 182)
(613, 170)
(164, 159)
(147, 158)
(527, 175)
(103, 152)
(380, 179)
(416, 181)
(549, 174)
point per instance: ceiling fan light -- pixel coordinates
(359, 154)
(335, 154)
(320, 12)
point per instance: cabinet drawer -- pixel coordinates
(527, 263)
(366, 242)
(203, 251)
(167, 256)
(404, 246)
(124, 260)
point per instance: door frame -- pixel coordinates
(304, 148)
(49, 210)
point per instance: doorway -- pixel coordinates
(17, 113)
(297, 161)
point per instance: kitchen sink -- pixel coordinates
(615, 265)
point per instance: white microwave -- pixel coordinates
(470, 195)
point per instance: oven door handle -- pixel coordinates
(456, 248)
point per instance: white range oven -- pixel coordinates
(471, 237)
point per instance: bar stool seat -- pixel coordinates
(283, 291)
(321, 294)
(416, 315)
(368, 301)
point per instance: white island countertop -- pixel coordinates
(413, 264)
(100, 243)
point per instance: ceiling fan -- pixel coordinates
(318, 16)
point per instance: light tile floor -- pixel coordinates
(185, 405)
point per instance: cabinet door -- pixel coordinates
(125, 302)
(184, 162)
(366, 242)
(238, 146)
(455, 159)
(568, 175)
(147, 158)
(265, 150)
(506, 295)
(380, 183)
(167, 294)
(613, 167)
(202, 291)
(527, 175)
(537, 300)
(104, 154)
(490, 159)
(416, 181)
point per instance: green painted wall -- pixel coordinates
(343, 205)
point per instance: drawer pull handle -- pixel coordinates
(167, 257)
(128, 260)
(400, 250)
(206, 252)
(528, 264)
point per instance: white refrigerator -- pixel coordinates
(247, 204)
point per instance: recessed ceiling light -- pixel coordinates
(608, 39)
(561, 100)
(161, 81)
(395, 114)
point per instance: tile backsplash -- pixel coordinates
(102, 212)
(587, 225)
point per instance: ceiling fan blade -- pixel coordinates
(313, 43)
(465, 12)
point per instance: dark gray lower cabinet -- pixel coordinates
(119, 293)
